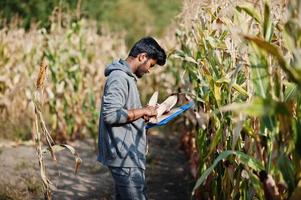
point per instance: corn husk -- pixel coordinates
(154, 99)
(164, 107)
(167, 105)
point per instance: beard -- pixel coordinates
(141, 69)
(139, 72)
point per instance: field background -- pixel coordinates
(239, 61)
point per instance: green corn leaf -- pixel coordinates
(257, 107)
(293, 30)
(259, 73)
(217, 94)
(211, 41)
(287, 170)
(240, 89)
(267, 23)
(250, 11)
(243, 158)
(91, 98)
(254, 108)
(234, 85)
(202, 145)
(268, 122)
(291, 91)
(190, 59)
(288, 40)
(296, 61)
(223, 80)
(297, 136)
(273, 50)
(270, 48)
(216, 139)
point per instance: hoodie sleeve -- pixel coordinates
(114, 100)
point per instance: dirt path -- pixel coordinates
(167, 172)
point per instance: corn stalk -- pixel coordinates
(77, 56)
(242, 66)
(41, 129)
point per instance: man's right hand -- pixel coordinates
(146, 113)
(150, 111)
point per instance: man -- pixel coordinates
(122, 137)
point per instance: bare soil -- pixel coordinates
(167, 172)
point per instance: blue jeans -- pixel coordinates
(129, 183)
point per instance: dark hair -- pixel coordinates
(149, 46)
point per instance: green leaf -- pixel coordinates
(291, 91)
(252, 108)
(293, 31)
(267, 23)
(250, 11)
(91, 98)
(234, 85)
(216, 139)
(217, 94)
(257, 107)
(287, 171)
(243, 158)
(212, 41)
(273, 50)
(240, 89)
(190, 59)
(288, 40)
(259, 73)
(297, 136)
(268, 122)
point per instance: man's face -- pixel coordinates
(145, 66)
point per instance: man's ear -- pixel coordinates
(142, 57)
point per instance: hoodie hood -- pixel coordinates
(121, 65)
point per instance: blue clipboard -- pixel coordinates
(177, 112)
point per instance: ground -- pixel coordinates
(167, 172)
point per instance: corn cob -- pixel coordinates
(154, 99)
(164, 107)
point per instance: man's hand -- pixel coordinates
(149, 111)
(146, 113)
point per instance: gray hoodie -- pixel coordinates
(121, 144)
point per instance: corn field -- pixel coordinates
(241, 63)
(76, 55)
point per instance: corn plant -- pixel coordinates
(246, 91)
(40, 126)
(210, 66)
(77, 56)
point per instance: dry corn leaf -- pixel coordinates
(202, 119)
(60, 147)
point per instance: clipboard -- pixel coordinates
(165, 111)
(164, 119)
